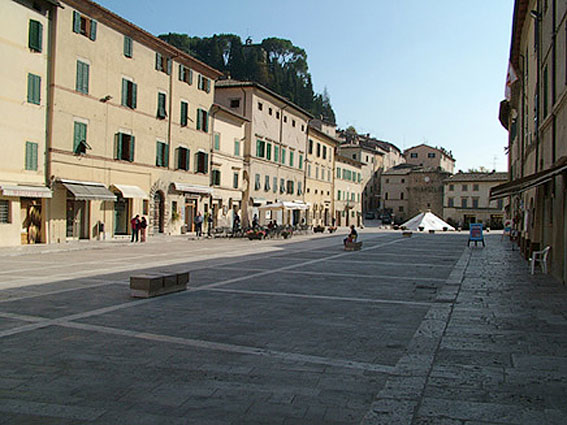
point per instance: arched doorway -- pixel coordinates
(158, 212)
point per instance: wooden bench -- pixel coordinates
(353, 246)
(153, 284)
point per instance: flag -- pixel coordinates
(511, 78)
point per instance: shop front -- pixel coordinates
(128, 203)
(197, 199)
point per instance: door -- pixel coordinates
(158, 212)
(76, 222)
(190, 211)
(121, 216)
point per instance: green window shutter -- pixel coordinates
(183, 119)
(166, 155)
(276, 153)
(291, 159)
(34, 156)
(31, 98)
(301, 162)
(169, 62)
(190, 76)
(187, 159)
(82, 77)
(198, 119)
(283, 156)
(76, 22)
(181, 75)
(134, 95)
(79, 77)
(35, 36)
(200, 82)
(79, 133)
(34, 89)
(161, 113)
(206, 168)
(118, 145)
(268, 151)
(217, 141)
(124, 92)
(158, 61)
(128, 46)
(28, 156)
(92, 35)
(236, 147)
(132, 146)
(206, 121)
(258, 148)
(159, 156)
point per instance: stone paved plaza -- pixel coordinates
(419, 330)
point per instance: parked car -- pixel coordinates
(386, 219)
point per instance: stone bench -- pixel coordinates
(153, 284)
(353, 246)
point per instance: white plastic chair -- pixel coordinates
(541, 258)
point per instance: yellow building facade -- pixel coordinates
(348, 191)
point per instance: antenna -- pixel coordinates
(494, 160)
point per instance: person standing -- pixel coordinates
(255, 221)
(236, 223)
(198, 225)
(143, 226)
(135, 223)
(209, 223)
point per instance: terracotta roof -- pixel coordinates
(229, 112)
(443, 151)
(478, 177)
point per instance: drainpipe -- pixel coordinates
(553, 81)
(538, 64)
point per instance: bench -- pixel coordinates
(154, 284)
(353, 246)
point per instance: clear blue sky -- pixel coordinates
(406, 71)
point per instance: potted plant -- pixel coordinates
(286, 234)
(332, 229)
(255, 234)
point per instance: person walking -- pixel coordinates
(143, 226)
(198, 225)
(209, 223)
(236, 223)
(135, 223)
(255, 221)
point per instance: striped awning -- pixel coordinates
(88, 191)
(133, 192)
(22, 191)
(192, 188)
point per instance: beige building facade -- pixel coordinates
(274, 150)
(24, 40)
(227, 165)
(535, 115)
(128, 129)
(467, 200)
(319, 176)
(430, 157)
(348, 191)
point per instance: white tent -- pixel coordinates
(428, 221)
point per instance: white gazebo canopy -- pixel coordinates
(428, 221)
(284, 205)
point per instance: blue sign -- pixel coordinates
(475, 234)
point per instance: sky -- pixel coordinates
(405, 71)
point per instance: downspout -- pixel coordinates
(553, 82)
(538, 97)
(214, 110)
(246, 166)
(170, 117)
(51, 55)
(281, 144)
(523, 106)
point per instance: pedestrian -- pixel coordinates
(143, 226)
(235, 223)
(255, 221)
(333, 221)
(198, 225)
(352, 236)
(209, 224)
(135, 223)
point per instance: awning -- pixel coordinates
(130, 191)
(192, 188)
(529, 182)
(21, 191)
(88, 191)
(285, 205)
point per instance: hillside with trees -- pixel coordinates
(275, 63)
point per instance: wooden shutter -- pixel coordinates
(268, 151)
(183, 114)
(207, 85)
(169, 62)
(28, 156)
(190, 77)
(161, 105)
(181, 73)
(206, 163)
(159, 156)
(198, 119)
(132, 146)
(187, 156)
(200, 82)
(217, 141)
(128, 46)
(92, 34)
(158, 61)
(118, 146)
(134, 95)
(76, 22)
(35, 36)
(124, 92)
(166, 155)
(78, 135)
(205, 121)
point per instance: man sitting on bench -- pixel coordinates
(351, 236)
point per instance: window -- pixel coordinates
(352, 196)
(463, 202)
(451, 187)
(475, 187)
(202, 120)
(257, 183)
(128, 44)
(308, 170)
(324, 152)
(431, 154)
(283, 156)
(163, 64)
(276, 153)
(267, 183)
(475, 202)
(161, 112)
(285, 118)
(269, 111)
(79, 137)
(318, 150)
(35, 36)
(386, 196)
(204, 84)
(299, 189)
(235, 103)
(184, 118)
(162, 154)
(339, 195)
(275, 185)
(216, 141)
(125, 147)
(464, 188)
(185, 74)
(183, 158)
(353, 156)
(317, 172)
(293, 123)
(310, 146)
(202, 162)
(413, 155)
(260, 106)
(235, 180)
(4, 211)
(451, 202)
(291, 158)
(84, 25)
(403, 180)
(260, 148)
(236, 147)
(31, 156)
(500, 204)
(215, 178)
(301, 161)
(401, 208)
(129, 93)
(278, 115)
(302, 127)
(339, 173)
(282, 186)
(402, 195)
(290, 187)
(34, 89)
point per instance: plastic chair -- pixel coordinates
(541, 258)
